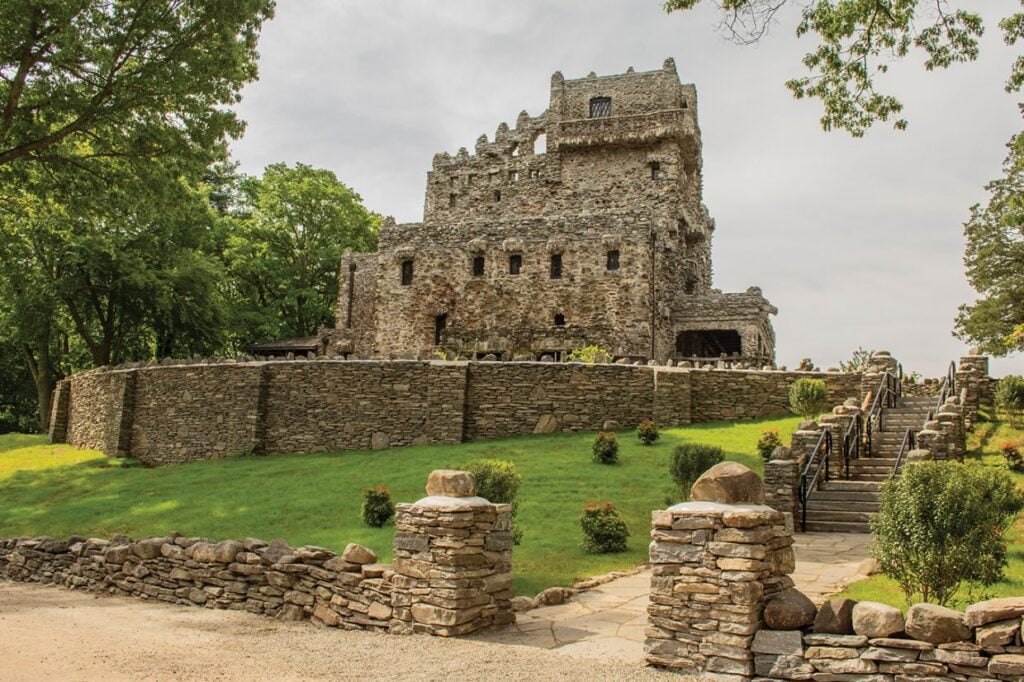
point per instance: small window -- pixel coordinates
(440, 322)
(451, 201)
(406, 273)
(497, 195)
(600, 107)
(515, 149)
(655, 170)
(515, 264)
(556, 266)
(540, 144)
(613, 260)
(534, 174)
(478, 266)
(514, 176)
(559, 320)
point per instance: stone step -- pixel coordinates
(835, 526)
(851, 486)
(863, 506)
(840, 496)
(840, 516)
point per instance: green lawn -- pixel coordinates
(982, 445)
(315, 498)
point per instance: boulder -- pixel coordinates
(936, 624)
(992, 610)
(728, 483)
(357, 554)
(789, 610)
(552, 596)
(520, 604)
(872, 619)
(546, 424)
(150, 548)
(835, 617)
(450, 483)
(225, 552)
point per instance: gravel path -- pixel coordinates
(50, 632)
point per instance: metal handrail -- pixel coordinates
(948, 387)
(824, 445)
(852, 442)
(887, 395)
(908, 444)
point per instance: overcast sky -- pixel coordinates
(857, 242)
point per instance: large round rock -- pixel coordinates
(451, 483)
(789, 610)
(872, 619)
(936, 624)
(728, 483)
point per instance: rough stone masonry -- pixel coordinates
(583, 225)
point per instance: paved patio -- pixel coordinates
(608, 621)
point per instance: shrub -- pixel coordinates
(766, 444)
(606, 448)
(377, 507)
(647, 432)
(498, 481)
(942, 524)
(808, 397)
(604, 531)
(1010, 399)
(690, 460)
(1010, 451)
(589, 354)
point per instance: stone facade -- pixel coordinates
(452, 572)
(172, 413)
(583, 225)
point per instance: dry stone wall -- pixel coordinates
(452, 573)
(185, 412)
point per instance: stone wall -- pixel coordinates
(184, 412)
(452, 573)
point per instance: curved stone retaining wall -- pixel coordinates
(182, 412)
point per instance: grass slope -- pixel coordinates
(315, 498)
(982, 446)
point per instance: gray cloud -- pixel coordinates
(858, 242)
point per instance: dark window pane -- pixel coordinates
(406, 273)
(613, 259)
(559, 320)
(600, 107)
(556, 266)
(515, 264)
(478, 266)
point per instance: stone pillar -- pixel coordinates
(453, 559)
(782, 482)
(951, 419)
(715, 561)
(59, 412)
(975, 385)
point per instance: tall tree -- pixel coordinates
(289, 234)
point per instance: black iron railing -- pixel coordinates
(908, 444)
(947, 389)
(888, 394)
(818, 460)
(852, 440)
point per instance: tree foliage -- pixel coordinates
(857, 41)
(942, 524)
(808, 397)
(995, 262)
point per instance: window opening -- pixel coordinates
(540, 144)
(451, 201)
(600, 107)
(655, 170)
(440, 323)
(556, 266)
(406, 273)
(559, 320)
(515, 264)
(497, 195)
(613, 259)
(478, 266)
(711, 343)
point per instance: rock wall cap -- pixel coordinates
(728, 483)
(451, 483)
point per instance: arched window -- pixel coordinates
(406, 273)
(559, 320)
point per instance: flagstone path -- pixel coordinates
(608, 621)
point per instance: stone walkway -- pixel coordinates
(608, 621)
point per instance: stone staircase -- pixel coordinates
(844, 505)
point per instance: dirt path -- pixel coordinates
(50, 632)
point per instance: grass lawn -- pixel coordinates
(982, 446)
(315, 498)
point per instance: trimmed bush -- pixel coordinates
(647, 432)
(808, 397)
(690, 460)
(1010, 399)
(589, 354)
(605, 449)
(1010, 450)
(942, 524)
(377, 507)
(766, 444)
(498, 481)
(604, 531)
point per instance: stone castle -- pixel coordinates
(583, 225)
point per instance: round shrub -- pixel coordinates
(605, 449)
(604, 531)
(690, 460)
(647, 432)
(377, 507)
(808, 397)
(1010, 399)
(498, 481)
(1010, 450)
(766, 444)
(942, 524)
